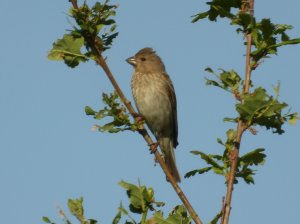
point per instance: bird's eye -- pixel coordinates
(143, 59)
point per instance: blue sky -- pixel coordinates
(50, 154)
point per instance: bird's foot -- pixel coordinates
(153, 147)
(138, 117)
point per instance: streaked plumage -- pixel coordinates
(155, 99)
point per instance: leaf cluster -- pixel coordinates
(94, 30)
(220, 164)
(219, 8)
(115, 110)
(141, 198)
(259, 108)
(255, 108)
(178, 215)
(76, 209)
(91, 21)
(266, 36)
(142, 201)
(227, 80)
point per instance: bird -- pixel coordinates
(155, 99)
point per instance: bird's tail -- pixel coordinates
(168, 151)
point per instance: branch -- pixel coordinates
(241, 127)
(101, 62)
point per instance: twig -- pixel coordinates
(100, 61)
(74, 3)
(223, 209)
(248, 7)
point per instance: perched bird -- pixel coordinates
(154, 96)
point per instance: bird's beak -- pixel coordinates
(131, 61)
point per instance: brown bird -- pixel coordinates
(155, 98)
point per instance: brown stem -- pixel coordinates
(74, 3)
(241, 127)
(248, 63)
(101, 61)
(230, 180)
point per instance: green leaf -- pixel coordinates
(216, 218)
(256, 157)
(260, 108)
(230, 79)
(140, 197)
(199, 16)
(116, 111)
(117, 218)
(227, 80)
(220, 141)
(245, 20)
(198, 171)
(102, 113)
(287, 42)
(208, 69)
(231, 135)
(293, 118)
(123, 210)
(218, 157)
(267, 28)
(219, 8)
(68, 49)
(253, 158)
(178, 215)
(92, 221)
(210, 82)
(109, 127)
(160, 219)
(47, 220)
(208, 159)
(247, 175)
(159, 203)
(89, 111)
(76, 208)
(108, 39)
(219, 171)
(229, 119)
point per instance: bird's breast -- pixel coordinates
(152, 100)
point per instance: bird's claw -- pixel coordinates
(153, 147)
(138, 117)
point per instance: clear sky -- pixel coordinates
(49, 153)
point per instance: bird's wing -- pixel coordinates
(172, 97)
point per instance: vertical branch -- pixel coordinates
(248, 6)
(248, 52)
(74, 3)
(230, 181)
(102, 63)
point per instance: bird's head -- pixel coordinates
(146, 61)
